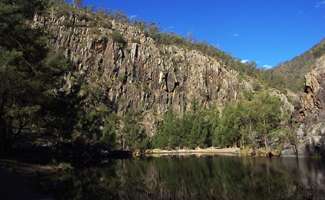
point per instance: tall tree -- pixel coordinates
(28, 73)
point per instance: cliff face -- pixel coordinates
(137, 73)
(311, 133)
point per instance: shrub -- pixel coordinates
(118, 38)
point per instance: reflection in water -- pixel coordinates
(189, 178)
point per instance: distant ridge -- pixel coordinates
(293, 71)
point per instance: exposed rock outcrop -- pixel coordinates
(311, 117)
(137, 73)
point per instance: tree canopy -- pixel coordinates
(29, 71)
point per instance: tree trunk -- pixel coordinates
(2, 143)
(266, 143)
(296, 150)
(6, 140)
(3, 137)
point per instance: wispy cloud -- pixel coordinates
(235, 35)
(320, 4)
(244, 61)
(133, 16)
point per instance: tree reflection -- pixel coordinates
(197, 178)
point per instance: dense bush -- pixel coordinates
(193, 129)
(133, 133)
(254, 121)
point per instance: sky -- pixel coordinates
(267, 32)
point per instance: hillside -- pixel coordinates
(291, 73)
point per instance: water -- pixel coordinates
(187, 178)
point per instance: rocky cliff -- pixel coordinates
(137, 73)
(311, 116)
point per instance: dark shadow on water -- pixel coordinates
(16, 187)
(198, 178)
(187, 178)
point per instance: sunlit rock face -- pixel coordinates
(138, 73)
(311, 133)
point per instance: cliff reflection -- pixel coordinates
(198, 178)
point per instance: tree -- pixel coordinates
(167, 129)
(96, 120)
(190, 130)
(253, 121)
(134, 136)
(29, 77)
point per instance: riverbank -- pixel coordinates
(197, 152)
(244, 152)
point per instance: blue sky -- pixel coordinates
(267, 32)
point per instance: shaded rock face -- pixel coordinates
(138, 73)
(311, 133)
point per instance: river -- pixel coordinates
(187, 178)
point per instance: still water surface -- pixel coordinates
(187, 178)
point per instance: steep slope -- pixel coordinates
(292, 72)
(134, 72)
(305, 76)
(311, 115)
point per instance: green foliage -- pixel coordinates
(134, 136)
(168, 135)
(253, 121)
(96, 120)
(32, 99)
(193, 129)
(29, 72)
(118, 38)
